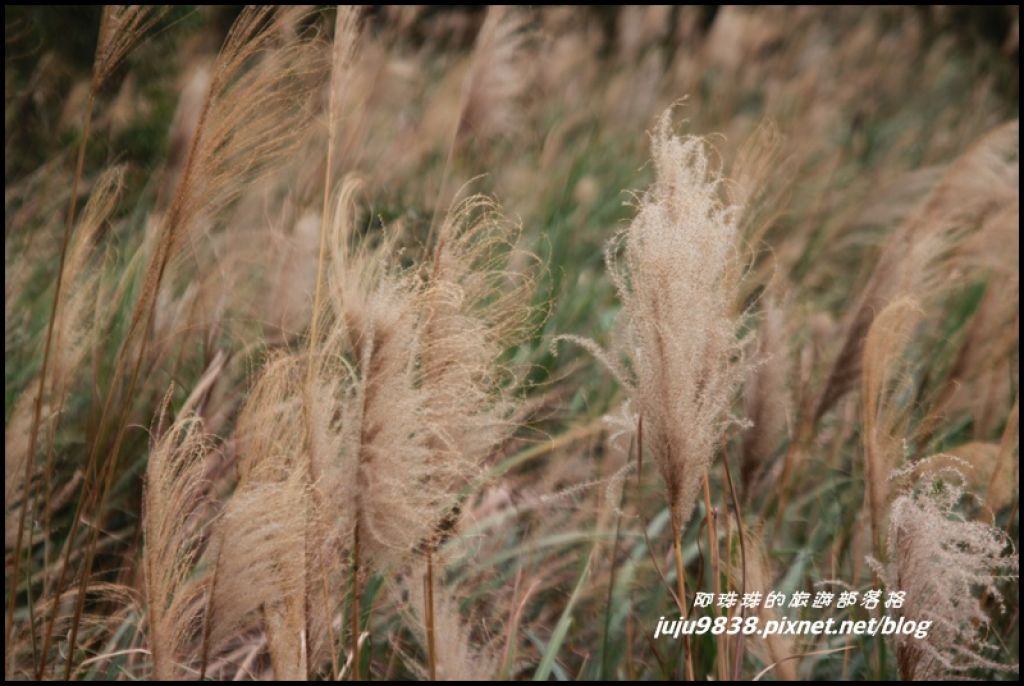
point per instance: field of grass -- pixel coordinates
(418, 343)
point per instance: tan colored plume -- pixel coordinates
(498, 74)
(943, 562)
(679, 280)
(753, 574)
(174, 531)
(884, 419)
(924, 256)
(461, 656)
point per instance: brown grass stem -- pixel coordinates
(738, 657)
(40, 390)
(355, 603)
(677, 549)
(428, 582)
(716, 584)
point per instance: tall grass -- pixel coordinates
(382, 343)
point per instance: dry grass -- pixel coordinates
(940, 559)
(382, 343)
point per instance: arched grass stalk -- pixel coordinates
(230, 146)
(121, 26)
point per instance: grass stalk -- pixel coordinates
(677, 549)
(40, 390)
(141, 321)
(355, 604)
(428, 582)
(738, 656)
(720, 652)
